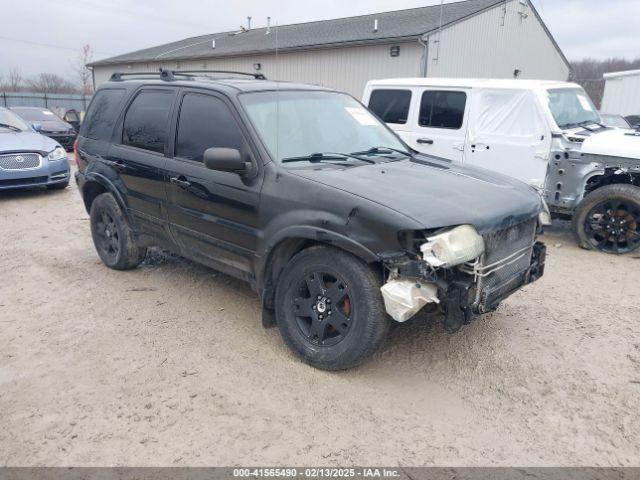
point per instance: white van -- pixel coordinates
(548, 134)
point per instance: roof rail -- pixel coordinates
(169, 75)
(257, 76)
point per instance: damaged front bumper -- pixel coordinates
(464, 292)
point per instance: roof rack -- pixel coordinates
(169, 75)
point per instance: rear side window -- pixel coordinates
(442, 109)
(147, 120)
(205, 122)
(102, 114)
(392, 106)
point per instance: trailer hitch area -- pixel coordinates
(457, 308)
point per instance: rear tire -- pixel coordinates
(112, 236)
(329, 308)
(608, 220)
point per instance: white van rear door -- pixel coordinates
(438, 122)
(508, 133)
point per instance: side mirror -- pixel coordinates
(225, 160)
(36, 126)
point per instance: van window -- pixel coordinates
(442, 109)
(205, 122)
(102, 114)
(392, 106)
(146, 121)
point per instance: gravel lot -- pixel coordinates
(169, 365)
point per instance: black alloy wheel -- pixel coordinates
(613, 226)
(107, 235)
(323, 308)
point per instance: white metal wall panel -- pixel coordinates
(495, 43)
(622, 95)
(347, 69)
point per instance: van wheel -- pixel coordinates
(112, 235)
(329, 308)
(608, 220)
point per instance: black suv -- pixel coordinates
(334, 221)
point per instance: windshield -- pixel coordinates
(296, 124)
(614, 121)
(10, 118)
(572, 107)
(35, 114)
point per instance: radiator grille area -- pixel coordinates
(19, 161)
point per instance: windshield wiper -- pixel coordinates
(382, 151)
(10, 127)
(325, 157)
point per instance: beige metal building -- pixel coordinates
(472, 38)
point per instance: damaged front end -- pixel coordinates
(465, 273)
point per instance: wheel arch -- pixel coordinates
(292, 241)
(95, 185)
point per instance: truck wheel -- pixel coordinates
(112, 235)
(329, 308)
(608, 220)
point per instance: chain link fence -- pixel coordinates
(57, 102)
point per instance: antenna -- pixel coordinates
(268, 26)
(248, 23)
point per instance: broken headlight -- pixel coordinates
(453, 247)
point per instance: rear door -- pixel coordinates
(140, 156)
(439, 122)
(213, 215)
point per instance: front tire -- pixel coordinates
(608, 220)
(329, 308)
(112, 236)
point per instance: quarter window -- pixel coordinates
(102, 114)
(205, 122)
(146, 121)
(442, 109)
(392, 106)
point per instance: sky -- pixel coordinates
(47, 35)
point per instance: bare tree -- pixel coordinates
(15, 81)
(589, 72)
(50, 83)
(84, 73)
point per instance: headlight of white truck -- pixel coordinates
(453, 247)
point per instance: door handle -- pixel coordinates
(119, 165)
(428, 141)
(181, 182)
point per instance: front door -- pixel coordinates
(508, 133)
(213, 215)
(139, 157)
(438, 123)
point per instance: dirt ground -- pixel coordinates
(169, 365)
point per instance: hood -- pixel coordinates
(25, 142)
(614, 143)
(436, 193)
(55, 125)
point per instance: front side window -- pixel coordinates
(147, 120)
(102, 114)
(205, 122)
(301, 123)
(442, 109)
(392, 106)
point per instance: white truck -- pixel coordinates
(548, 134)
